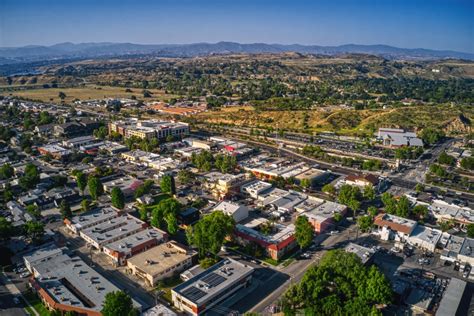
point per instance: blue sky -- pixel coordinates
(435, 24)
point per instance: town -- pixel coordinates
(176, 217)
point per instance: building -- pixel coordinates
(394, 137)
(112, 230)
(449, 304)
(67, 283)
(149, 129)
(278, 242)
(89, 219)
(55, 151)
(282, 201)
(451, 247)
(191, 272)
(444, 211)
(113, 147)
(424, 237)
(365, 254)
(321, 216)
(211, 287)
(255, 188)
(77, 142)
(127, 184)
(159, 310)
(237, 211)
(40, 255)
(391, 227)
(362, 181)
(466, 254)
(161, 262)
(119, 251)
(221, 185)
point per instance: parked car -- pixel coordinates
(25, 274)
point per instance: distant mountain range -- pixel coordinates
(9, 55)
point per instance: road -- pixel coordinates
(8, 291)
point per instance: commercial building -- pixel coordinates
(211, 287)
(255, 188)
(161, 262)
(77, 142)
(466, 254)
(149, 129)
(449, 304)
(321, 217)
(127, 184)
(394, 137)
(41, 255)
(362, 180)
(55, 151)
(89, 219)
(114, 229)
(365, 254)
(451, 247)
(391, 227)
(119, 251)
(424, 237)
(278, 242)
(68, 284)
(221, 185)
(237, 211)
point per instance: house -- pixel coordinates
(391, 227)
(210, 288)
(44, 130)
(394, 137)
(161, 262)
(237, 211)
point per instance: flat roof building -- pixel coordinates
(237, 211)
(424, 237)
(112, 230)
(89, 219)
(211, 287)
(467, 251)
(395, 137)
(452, 296)
(365, 254)
(68, 284)
(394, 227)
(161, 262)
(129, 246)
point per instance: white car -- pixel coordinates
(25, 274)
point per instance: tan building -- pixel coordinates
(161, 262)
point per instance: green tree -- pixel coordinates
(65, 209)
(34, 230)
(372, 211)
(209, 233)
(303, 232)
(470, 230)
(6, 228)
(31, 177)
(369, 193)
(420, 211)
(117, 197)
(467, 163)
(403, 207)
(419, 188)
(365, 223)
(306, 183)
(337, 217)
(96, 188)
(85, 205)
(431, 136)
(6, 171)
(166, 212)
(101, 132)
(167, 184)
(62, 95)
(143, 212)
(33, 210)
(81, 180)
(185, 176)
(389, 203)
(118, 303)
(329, 189)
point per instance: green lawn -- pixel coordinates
(166, 286)
(37, 305)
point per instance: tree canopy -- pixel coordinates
(303, 231)
(117, 198)
(167, 184)
(96, 188)
(339, 285)
(118, 303)
(209, 233)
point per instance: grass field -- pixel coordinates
(89, 92)
(343, 121)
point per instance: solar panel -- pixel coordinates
(213, 279)
(193, 293)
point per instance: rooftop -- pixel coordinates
(206, 285)
(426, 234)
(452, 298)
(112, 229)
(396, 223)
(364, 253)
(467, 248)
(91, 218)
(136, 239)
(160, 258)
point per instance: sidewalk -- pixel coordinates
(14, 291)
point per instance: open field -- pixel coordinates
(345, 121)
(88, 92)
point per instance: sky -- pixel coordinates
(433, 24)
